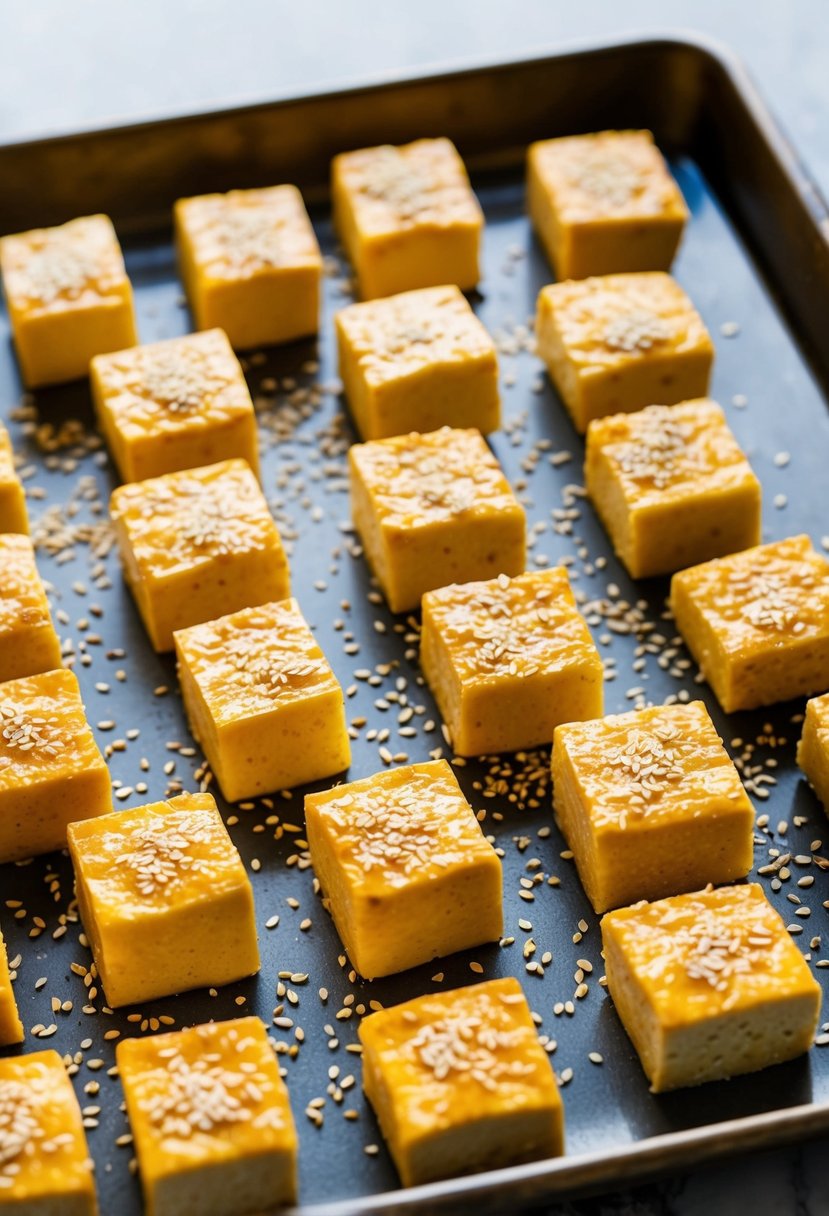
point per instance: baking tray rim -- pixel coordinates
(598, 1169)
(715, 52)
(682, 38)
(581, 1173)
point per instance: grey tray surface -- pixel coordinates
(775, 406)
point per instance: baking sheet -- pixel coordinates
(776, 409)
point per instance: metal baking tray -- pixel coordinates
(756, 262)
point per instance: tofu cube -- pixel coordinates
(165, 899)
(262, 700)
(68, 297)
(604, 203)
(211, 1120)
(813, 747)
(178, 404)
(13, 514)
(28, 642)
(757, 622)
(650, 804)
(407, 217)
(616, 344)
(51, 771)
(460, 1082)
(198, 544)
(431, 510)
(417, 361)
(407, 873)
(671, 486)
(45, 1166)
(709, 985)
(11, 1028)
(251, 264)
(508, 660)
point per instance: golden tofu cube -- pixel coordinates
(604, 203)
(45, 1167)
(460, 1082)
(28, 642)
(13, 514)
(251, 264)
(211, 1120)
(11, 1028)
(262, 700)
(198, 544)
(709, 985)
(407, 217)
(508, 660)
(150, 879)
(51, 771)
(813, 747)
(650, 804)
(431, 510)
(417, 361)
(616, 344)
(178, 404)
(757, 622)
(672, 486)
(68, 296)
(405, 868)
